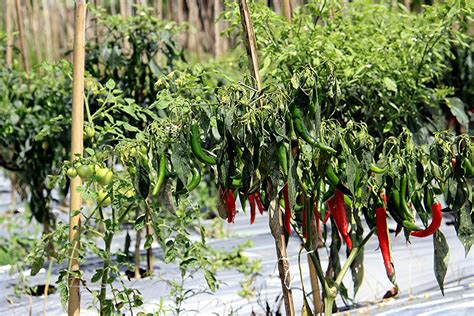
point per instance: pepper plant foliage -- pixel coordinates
(369, 62)
(370, 85)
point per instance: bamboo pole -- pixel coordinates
(47, 31)
(76, 151)
(218, 49)
(250, 42)
(317, 301)
(36, 27)
(276, 227)
(24, 53)
(287, 9)
(8, 27)
(275, 214)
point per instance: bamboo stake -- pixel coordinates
(317, 302)
(36, 27)
(287, 9)
(47, 31)
(136, 256)
(24, 53)
(218, 49)
(275, 215)
(8, 26)
(250, 42)
(276, 227)
(76, 151)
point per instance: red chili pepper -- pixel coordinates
(318, 219)
(251, 198)
(328, 213)
(338, 212)
(436, 219)
(230, 205)
(305, 235)
(287, 221)
(259, 203)
(384, 241)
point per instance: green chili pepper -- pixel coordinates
(375, 169)
(161, 174)
(197, 149)
(195, 180)
(394, 210)
(282, 158)
(406, 213)
(468, 169)
(336, 182)
(302, 132)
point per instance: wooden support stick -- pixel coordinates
(8, 26)
(287, 9)
(250, 42)
(23, 51)
(276, 227)
(76, 151)
(317, 302)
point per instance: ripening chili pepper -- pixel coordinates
(384, 241)
(197, 149)
(338, 212)
(341, 216)
(251, 198)
(259, 203)
(302, 132)
(287, 221)
(326, 216)
(437, 217)
(161, 174)
(229, 202)
(318, 219)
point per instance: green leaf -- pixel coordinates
(211, 280)
(441, 258)
(148, 241)
(97, 275)
(465, 226)
(140, 222)
(457, 109)
(390, 84)
(110, 84)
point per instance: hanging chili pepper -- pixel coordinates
(251, 198)
(229, 202)
(437, 217)
(318, 219)
(338, 212)
(197, 149)
(287, 221)
(328, 213)
(259, 203)
(303, 132)
(384, 241)
(335, 181)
